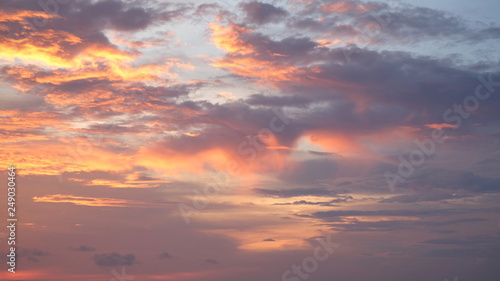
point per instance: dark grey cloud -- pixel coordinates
(350, 225)
(469, 240)
(321, 153)
(411, 22)
(120, 15)
(207, 9)
(420, 22)
(83, 248)
(489, 253)
(422, 197)
(422, 213)
(31, 254)
(110, 13)
(479, 246)
(212, 261)
(165, 255)
(35, 252)
(262, 13)
(383, 23)
(403, 89)
(311, 171)
(114, 259)
(484, 34)
(439, 178)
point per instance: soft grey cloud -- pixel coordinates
(83, 248)
(439, 178)
(337, 215)
(212, 261)
(114, 259)
(399, 225)
(32, 254)
(479, 246)
(165, 255)
(262, 13)
(422, 197)
(311, 171)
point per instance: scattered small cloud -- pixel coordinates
(114, 259)
(212, 261)
(165, 255)
(83, 248)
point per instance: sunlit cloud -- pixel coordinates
(93, 202)
(267, 123)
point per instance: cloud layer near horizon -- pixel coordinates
(264, 125)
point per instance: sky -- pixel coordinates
(241, 140)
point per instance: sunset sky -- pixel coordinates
(230, 140)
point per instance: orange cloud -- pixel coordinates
(287, 235)
(92, 201)
(440, 126)
(243, 58)
(72, 58)
(132, 181)
(27, 120)
(171, 163)
(248, 66)
(26, 126)
(343, 7)
(20, 15)
(223, 158)
(339, 143)
(66, 155)
(228, 38)
(45, 47)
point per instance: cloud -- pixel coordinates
(112, 14)
(345, 107)
(355, 105)
(262, 13)
(279, 101)
(377, 23)
(479, 246)
(424, 197)
(311, 171)
(441, 178)
(165, 255)
(321, 203)
(122, 101)
(73, 43)
(94, 202)
(296, 192)
(396, 225)
(33, 254)
(469, 240)
(343, 7)
(252, 54)
(401, 213)
(114, 259)
(212, 261)
(83, 248)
